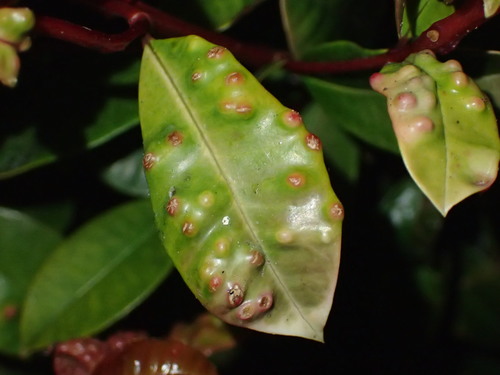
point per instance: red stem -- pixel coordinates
(442, 37)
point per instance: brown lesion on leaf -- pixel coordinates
(313, 142)
(149, 160)
(172, 206)
(235, 295)
(336, 211)
(216, 52)
(296, 180)
(189, 228)
(235, 78)
(175, 138)
(292, 118)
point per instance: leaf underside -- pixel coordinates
(239, 190)
(445, 126)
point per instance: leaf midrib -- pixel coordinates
(191, 115)
(94, 280)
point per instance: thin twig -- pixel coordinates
(442, 37)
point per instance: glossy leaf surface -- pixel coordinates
(91, 279)
(239, 190)
(445, 125)
(418, 16)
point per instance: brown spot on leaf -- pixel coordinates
(265, 302)
(235, 78)
(337, 211)
(149, 160)
(10, 312)
(292, 118)
(196, 76)
(313, 142)
(215, 283)
(172, 206)
(235, 295)
(246, 311)
(189, 229)
(175, 138)
(216, 52)
(256, 258)
(242, 108)
(296, 180)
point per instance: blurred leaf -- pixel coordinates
(64, 108)
(446, 128)
(419, 15)
(56, 215)
(340, 50)
(222, 13)
(307, 23)
(414, 220)
(491, 85)
(207, 333)
(338, 147)
(491, 7)
(24, 244)
(95, 277)
(127, 175)
(360, 112)
(480, 305)
(18, 370)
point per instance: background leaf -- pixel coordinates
(308, 23)
(24, 244)
(222, 13)
(127, 175)
(490, 7)
(358, 111)
(101, 105)
(341, 151)
(95, 277)
(419, 15)
(445, 126)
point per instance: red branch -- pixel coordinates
(442, 37)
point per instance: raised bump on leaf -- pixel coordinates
(256, 235)
(446, 128)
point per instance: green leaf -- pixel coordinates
(127, 175)
(239, 190)
(340, 149)
(222, 13)
(419, 15)
(24, 244)
(359, 111)
(445, 126)
(41, 122)
(56, 215)
(307, 23)
(414, 220)
(491, 7)
(340, 50)
(94, 277)
(491, 85)
(479, 309)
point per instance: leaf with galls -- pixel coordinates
(239, 189)
(445, 126)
